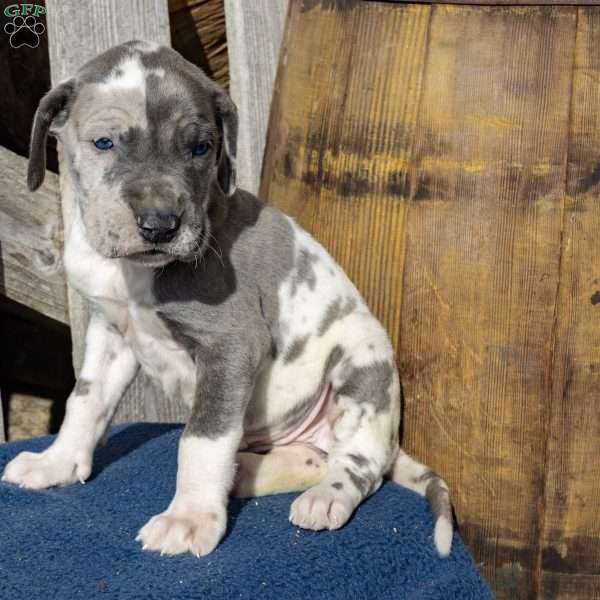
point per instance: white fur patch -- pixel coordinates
(128, 74)
(207, 467)
(160, 355)
(99, 279)
(196, 519)
(442, 536)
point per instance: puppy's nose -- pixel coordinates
(158, 227)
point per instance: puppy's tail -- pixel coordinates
(421, 479)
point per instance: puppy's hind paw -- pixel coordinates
(321, 507)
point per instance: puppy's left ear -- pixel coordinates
(49, 118)
(228, 124)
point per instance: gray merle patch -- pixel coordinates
(370, 384)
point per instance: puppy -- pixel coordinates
(226, 302)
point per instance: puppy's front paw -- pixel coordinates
(323, 506)
(38, 470)
(180, 529)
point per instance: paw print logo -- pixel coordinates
(24, 31)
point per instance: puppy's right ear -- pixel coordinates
(50, 116)
(228, 124)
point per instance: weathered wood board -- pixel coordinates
(449, 163)
(570, 557)
(77, 31)
(481, 271)
(31, 238)
(254, 31)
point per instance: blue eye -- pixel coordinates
(103, 143)
(200, 149)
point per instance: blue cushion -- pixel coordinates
(78, 541)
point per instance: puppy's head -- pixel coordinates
(150, 143)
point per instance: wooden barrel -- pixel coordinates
(449, 158)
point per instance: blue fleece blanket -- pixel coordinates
(78, 541)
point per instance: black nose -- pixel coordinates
(158, 227)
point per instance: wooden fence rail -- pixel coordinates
(31, 240)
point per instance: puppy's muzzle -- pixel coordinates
(157, 227)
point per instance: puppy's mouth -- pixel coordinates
(151, 258)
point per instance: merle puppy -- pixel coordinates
(228, 303)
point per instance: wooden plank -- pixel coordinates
(481, 271)
(77, 31)
(569, 556)
(31, 238)
(254, 32)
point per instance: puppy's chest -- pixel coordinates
(159, 354)
(123, 293)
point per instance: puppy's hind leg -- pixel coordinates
(364, 422)
(292, 468)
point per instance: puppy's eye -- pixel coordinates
(103, 143)
(200, 149)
